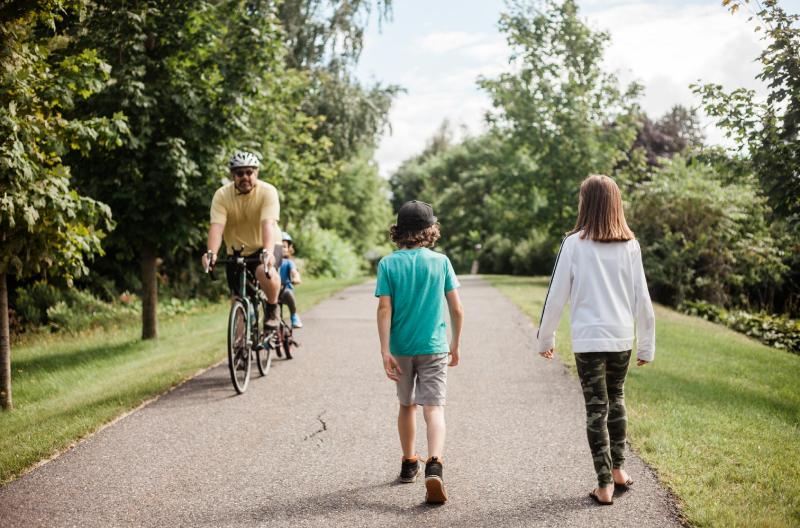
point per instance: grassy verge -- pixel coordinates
(717, 415)
(66, 387)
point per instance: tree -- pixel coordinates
(478, 192)
(408, 180)
(320, 31)
(767, 132)
(770, 130)
(324, 39)
(674, 133)
(188, 74)
(357, 206)
(45, 226)
(559, 105)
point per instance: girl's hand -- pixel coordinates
(548, 354)
(640, 362)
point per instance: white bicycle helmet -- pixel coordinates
(243, 159)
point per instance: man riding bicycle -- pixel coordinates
(245, 214)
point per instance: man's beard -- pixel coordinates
(240, 191)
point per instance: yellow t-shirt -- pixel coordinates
(242, 214)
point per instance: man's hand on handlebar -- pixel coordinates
(268, 260)
(208, 260)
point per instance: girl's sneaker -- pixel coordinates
(434, 485)
(296, 322)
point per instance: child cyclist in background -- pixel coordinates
(414, 284)
(599, 270)
(289, 277)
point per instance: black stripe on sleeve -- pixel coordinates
(550, 284)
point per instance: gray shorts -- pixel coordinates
(424, 379)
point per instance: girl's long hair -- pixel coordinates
(600, 214)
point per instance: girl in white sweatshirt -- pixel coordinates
(599, 270)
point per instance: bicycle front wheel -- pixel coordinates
(238, 347)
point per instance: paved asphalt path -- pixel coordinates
(315, 444)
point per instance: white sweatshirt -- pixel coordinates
(607, 290)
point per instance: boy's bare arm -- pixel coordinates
(295, 276)
(456, 323)
(384, 327)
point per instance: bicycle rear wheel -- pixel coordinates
(285, 338)
(238, 347)
(264, 347)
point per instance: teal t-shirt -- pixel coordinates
(417, 280)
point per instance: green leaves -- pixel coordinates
(703, 238)
(45, 225)
(559, 104)
(769, 131)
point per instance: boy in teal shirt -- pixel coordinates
(414, 284)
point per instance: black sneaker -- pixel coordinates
(434, 485)
(409, 470)
(272, 322)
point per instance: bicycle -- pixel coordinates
(247, 336)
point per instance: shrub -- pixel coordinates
(774, 330)
(81, 310)
(703, 239)
(495, 256)
(326, 254)
(535, 254)
(33, 302)
(72, 310)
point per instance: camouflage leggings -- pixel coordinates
(602, 377)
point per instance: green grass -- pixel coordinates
(717, 415)
(66, 387)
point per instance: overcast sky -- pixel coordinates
(436, 49)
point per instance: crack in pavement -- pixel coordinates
(318, 431)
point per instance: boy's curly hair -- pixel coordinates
(424, 237)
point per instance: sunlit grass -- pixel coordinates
(717, 415)
(65, 387)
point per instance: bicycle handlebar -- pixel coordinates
(241, 261)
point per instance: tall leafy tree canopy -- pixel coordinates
(769, 130)
(45, 225)
(188, 75)
(558, 104)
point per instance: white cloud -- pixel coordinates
(481, 47)
(667, 48)
(416, 116)
(446, 41)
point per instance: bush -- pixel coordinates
(774, 330)
(82, 310)
(703, 239)
(33, 302)
(326, 254)
(535, 254)
(495, 256)
(44, 305)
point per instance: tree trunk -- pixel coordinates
(5, 348)
(149, 293)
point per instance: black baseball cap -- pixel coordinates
(415, 216)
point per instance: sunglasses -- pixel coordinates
(241, 173)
